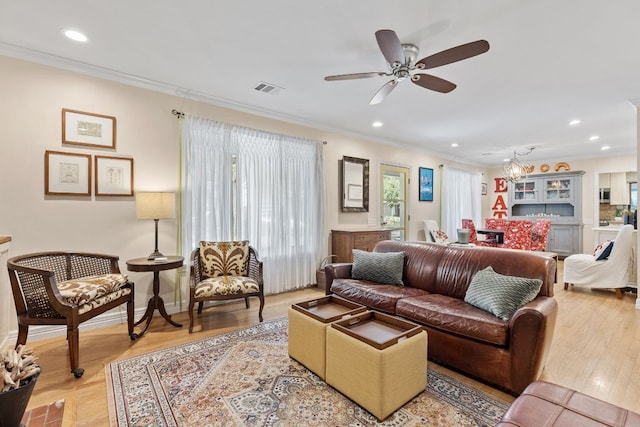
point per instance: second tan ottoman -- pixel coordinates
(378, 361)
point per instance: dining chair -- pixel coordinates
(517, 234)
(495, 223)
(473, 234)
(539, 233)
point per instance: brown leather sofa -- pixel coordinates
(508, 354)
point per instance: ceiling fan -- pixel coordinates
(401, 59)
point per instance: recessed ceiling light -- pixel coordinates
(605, 147)
(454, 144)
(75, 35)
(574, 122)
(594, 138)
(505, 160)
(376, 124)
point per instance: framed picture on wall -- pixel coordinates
(88, 129)
(425, 184)
(67, 174)
(114, 176)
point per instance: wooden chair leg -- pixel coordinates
(246, 302)
(261, 306)
(200, 305)
(191, 303)
(73, 336)
(23, 331)
(619, 293)
(566, 286)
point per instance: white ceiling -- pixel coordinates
(550, 61)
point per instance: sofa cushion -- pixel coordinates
(499, 294)
(373, 295)
(455, 316)
(378, 267)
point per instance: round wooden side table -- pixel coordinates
(156, 301)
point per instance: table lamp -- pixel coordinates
(155, 205)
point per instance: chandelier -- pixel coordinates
(514, 170)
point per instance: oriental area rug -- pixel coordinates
(246, 378)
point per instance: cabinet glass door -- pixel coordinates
(525, 191)
(558, 190)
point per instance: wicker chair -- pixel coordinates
(66, 288)
(224, 271)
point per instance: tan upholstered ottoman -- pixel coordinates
(378, 361)
(544, 404)
(308, 323)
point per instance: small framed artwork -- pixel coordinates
(425, 183)
(88, 129)
(114, 176)
(67, 174)
(484, 188)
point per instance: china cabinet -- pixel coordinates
(555, 196)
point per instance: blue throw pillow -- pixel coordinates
(603, 250)
(380, 267)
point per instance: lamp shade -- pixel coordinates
(155, 205)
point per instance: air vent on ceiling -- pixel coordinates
(269, 88)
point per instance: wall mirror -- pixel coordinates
(355, 184)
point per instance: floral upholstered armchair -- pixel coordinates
(223, 271)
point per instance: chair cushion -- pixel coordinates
(224, 258)
(85, 289)
(499, 294)
(226, 285)
(380, 267)
(103, 300)
(603, 250)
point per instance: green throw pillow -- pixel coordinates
(381, 267)
(501, 295)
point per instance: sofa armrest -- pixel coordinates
(340, 270)
(532, 328)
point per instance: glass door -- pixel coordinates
(394, 187)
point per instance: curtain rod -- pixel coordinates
(177, 113)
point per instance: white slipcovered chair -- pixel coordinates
(433, 233)
(609, 273)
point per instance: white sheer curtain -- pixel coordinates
(276, 200)
(461, 192)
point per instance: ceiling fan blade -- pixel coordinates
(382, 93)
(428, 81)
(390, 46)
(454, 54)
(354, 76)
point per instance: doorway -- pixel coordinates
(394, 198)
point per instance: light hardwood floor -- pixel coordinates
(596, 350)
